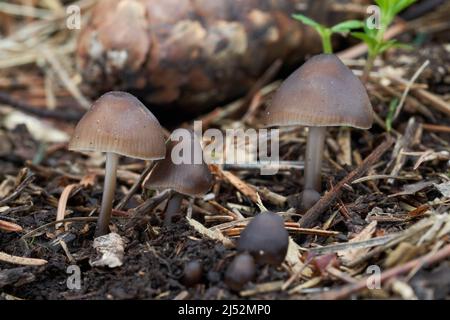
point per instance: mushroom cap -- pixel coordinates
(265, 238)
(192, 179)
(192, 273)
(322, 92)
(240, 271)
(118, 122)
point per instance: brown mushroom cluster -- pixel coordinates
(321, 93)
(119, 124)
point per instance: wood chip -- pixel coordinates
(262, 288)
(211, 234)
(349, 255)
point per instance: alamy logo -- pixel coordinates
(374, 280)
(74, 279)
(73, 20)
(374, 19)
(235, 146)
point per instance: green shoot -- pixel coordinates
(373, 36)
(326, 32)
(390, 116)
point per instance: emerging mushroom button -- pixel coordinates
(265, 238)
(322, 93)
(118, 124)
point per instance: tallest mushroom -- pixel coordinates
(118, 124)
(322, 93)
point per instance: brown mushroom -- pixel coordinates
(240, 271)
(266, 238)
(186, 178)
(323, 92)
(117, 124)
(192, 273)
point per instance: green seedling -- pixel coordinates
(373, 36)
(327, 32)
(393, 105)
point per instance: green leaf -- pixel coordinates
(401, 5)
(383, 4)
(347, 26)
(307, 21)
(370, 41)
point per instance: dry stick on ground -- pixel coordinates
(361, 48)
(43, 227)
(135, 187)
(313, 214)
(149, 204)
(18, 190)
(4, 257)
(57, 66)
(9, 226)
(404, 143)
(40, 112)
(426, 260)
(433, 100)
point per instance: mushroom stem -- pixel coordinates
(109, 188)
(173, 207)
(313, 158)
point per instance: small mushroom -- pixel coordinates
(266, 238)
(192, 273)
(117, 124)
(240, 271)
(190, 179)
(322, 93)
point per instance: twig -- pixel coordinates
(408, 87)
(65, 78)
(403, 144)
(10, 226)
(62, 203)
(38, 111)
(434, 101)
(435, 128)
(18, 190)
(4, 257)
(148, 205)
(135, 187)
(361, 49)
(311, 216)
(351, 245)
(43, 227)
(427, 260)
